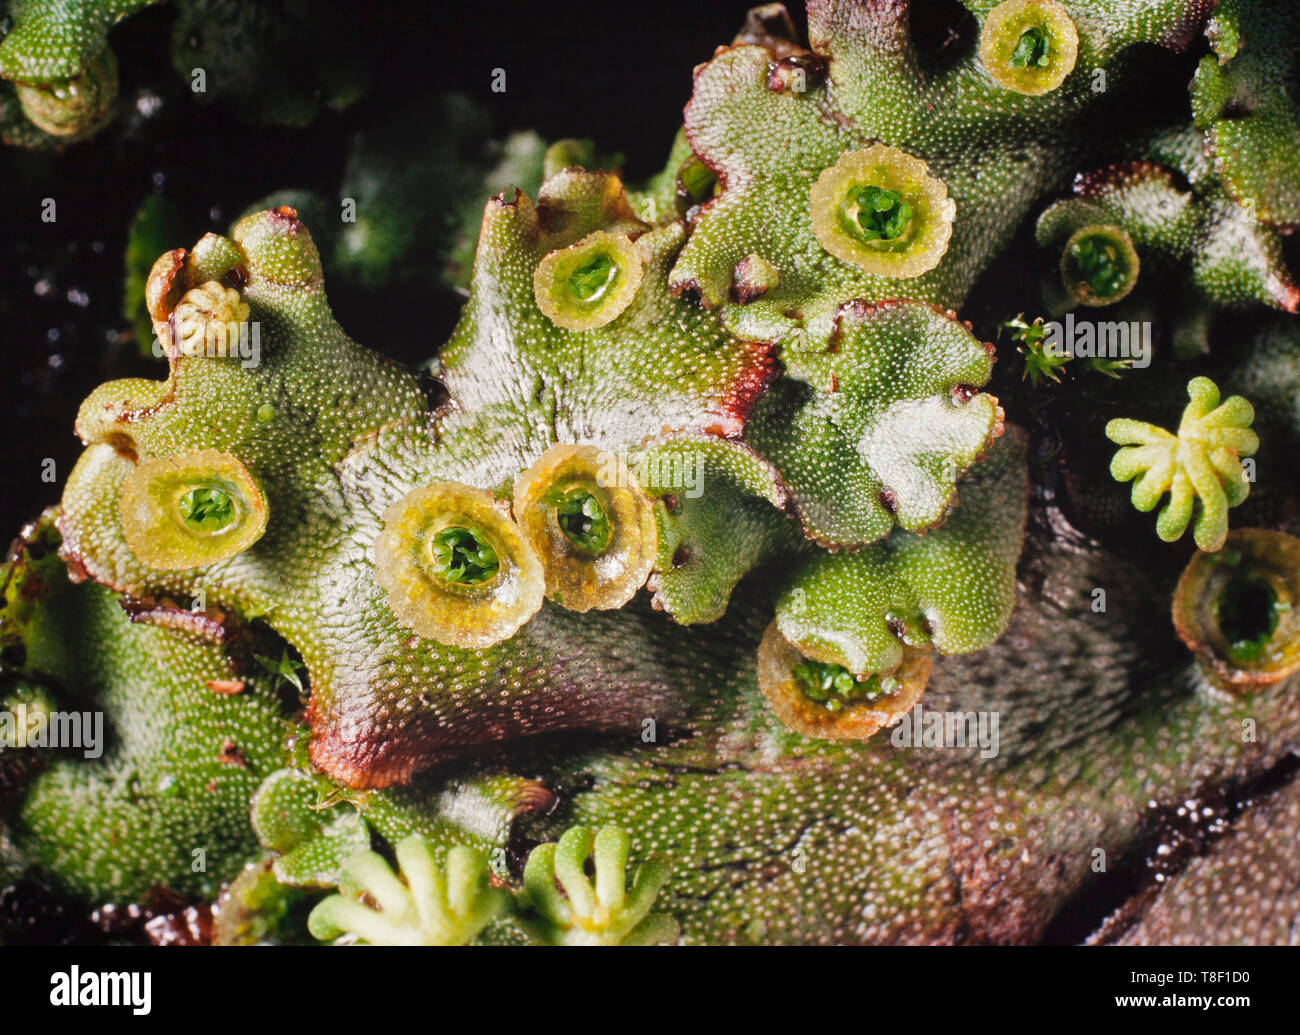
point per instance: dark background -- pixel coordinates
(619, 73)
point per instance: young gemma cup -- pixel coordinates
(881, 210)
(825, 700)
(456, 568)
(587, 518)
(186, 511)
(588, 285)
(1099, 265)
(1029, 46)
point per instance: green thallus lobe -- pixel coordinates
(207, 509)
(583, 520)
(461, 556)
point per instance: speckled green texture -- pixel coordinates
(875, 432)
(952, 587)
(167, 803)
(1213, 249)
(857, 479)
(61, 74)
(1244, 97)
(767, 141)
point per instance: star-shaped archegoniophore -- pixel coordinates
(1202, 460)
(426, 905)
(574, 909)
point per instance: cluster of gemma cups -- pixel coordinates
(465, 569)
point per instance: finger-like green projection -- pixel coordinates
(427, 905)
(572, 908)
(1202, 461)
